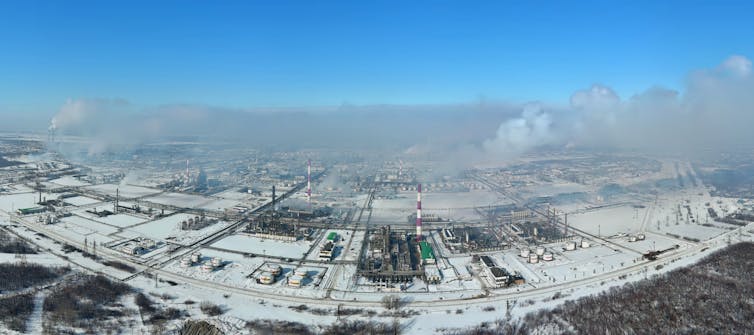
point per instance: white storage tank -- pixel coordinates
(186, 262)
(547, 257)
(266, 278)
(196, 257)
(571, 245)
(632, 238)
(295, 281)
(533, 258)
(585, 244)
(217, 261)
(540, 251)
(275, 270)
(301, 273)
(207, 267)
(525, 253)
(640, 237)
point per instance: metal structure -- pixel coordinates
(419, 213)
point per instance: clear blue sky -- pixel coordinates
(314, 53)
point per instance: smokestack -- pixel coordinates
(117, 199)
(309, 181)
(273, 197)
(419, 213)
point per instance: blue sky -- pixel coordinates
(250, 54)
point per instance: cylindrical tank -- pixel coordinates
(632, 238)
(207, 267)
(301, 273)
(275, 269)
(540, 250)
(585, 244)
(571, 245)
(186, 262)
(217, 261)
(640, 237)
(547, 257)
(525, 252)
(533, 258)
(196, 257)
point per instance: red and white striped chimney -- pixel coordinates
(419, 214)
(309, 181)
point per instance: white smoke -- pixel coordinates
(532, 129)
(714, 111)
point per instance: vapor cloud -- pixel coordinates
(714, 111)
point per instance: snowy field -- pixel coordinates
(10, 202)
(170, 227)
(179, 200)
(219, 204)
(250, 244)
(126, 191)
(121, 220)
(609, 221)
(81, 201)
(68, 181)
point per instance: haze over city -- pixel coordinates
(248, 167)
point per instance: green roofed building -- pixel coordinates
(333, 236)
(428, 255)
(32, 210)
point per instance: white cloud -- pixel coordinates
(737, 65)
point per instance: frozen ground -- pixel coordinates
(126, 191)
(609, 221)
(68, 181)
(10, 202)
(250, 244)
(179, 200)
(81, 201)
(169, 227)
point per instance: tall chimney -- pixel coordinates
(309, 181)
(273, 197)
(419, 213)
(117, 199)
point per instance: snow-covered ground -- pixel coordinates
(125, 191)
(251, 244)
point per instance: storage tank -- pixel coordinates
(301, 273)
(533, 258)
(295, 281)
(207, 267)
(266, 278)
(275, 270)
(196, 257)
(217, 261)
(640, 237)
(540, 251)
(525, 253)
(186, 262)
(585, 244)
(571, 245)
(632, 238)
(547, 257)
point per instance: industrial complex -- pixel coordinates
(297, 228)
